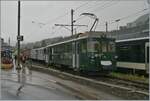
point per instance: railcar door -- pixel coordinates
(77, 55)
(36, 54)
(50, 53)
(73, 54)
(147, 57)
(46, 55)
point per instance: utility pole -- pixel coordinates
(72, 21)
(9, 41)
(72, 24)
(106, 27)
(18, 56)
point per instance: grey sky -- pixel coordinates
(46, 12)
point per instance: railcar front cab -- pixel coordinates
(7, 61)
(100, 54)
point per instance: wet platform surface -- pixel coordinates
(40, 86)
(30, 87)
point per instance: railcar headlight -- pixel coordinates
(92, 57)
(116, 57)
(103, 56)
(96, 55)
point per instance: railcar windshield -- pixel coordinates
(111, 46)
(98, 45)
(108, 46)
(93, 46)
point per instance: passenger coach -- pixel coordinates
(133, 53)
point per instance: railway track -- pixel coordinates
(135, 85)
(123, 82)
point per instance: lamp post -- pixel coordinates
(72, 11)
(19, 38)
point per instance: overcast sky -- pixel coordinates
(38, 17)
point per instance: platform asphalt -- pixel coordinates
(124, 92)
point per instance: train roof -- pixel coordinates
(133, 39)
(131, 35)
(76, 37)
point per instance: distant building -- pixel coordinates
(139, 21)
(136, 29)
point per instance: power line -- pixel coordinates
(92, 6)
(133, 14)
(96, 8)
(126, 17)
(109, 4)
(61, 16)
(77, 8)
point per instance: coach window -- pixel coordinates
(111, 46)
(83, 46)
(97, 46)
(93, 45)
(104, 46)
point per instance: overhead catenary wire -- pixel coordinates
(102, 7)
(61, 16)
(125, 17)
(106, 5)
(77, 8)
(128, 16)
(99, 2)
(88, 9)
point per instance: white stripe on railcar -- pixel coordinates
(133, 39)
(131, 65)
